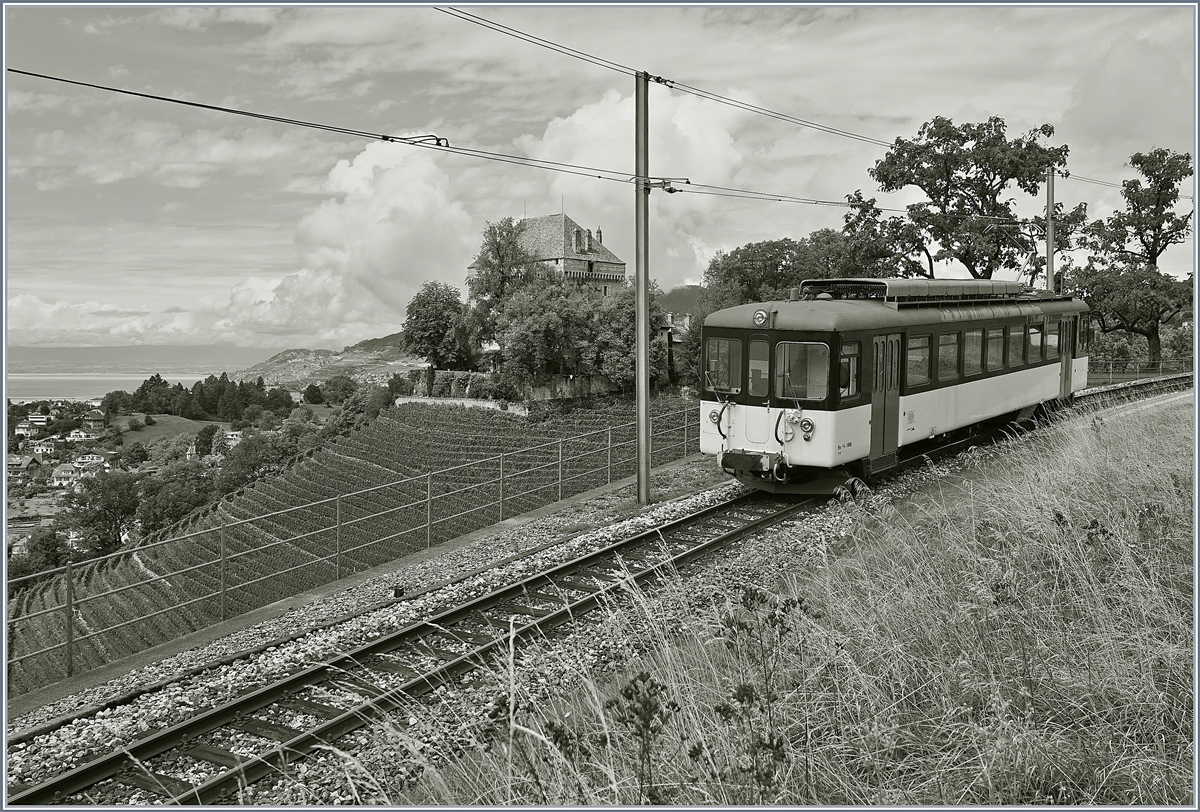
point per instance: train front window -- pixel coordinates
(801, 371)
(723, 365)
(760, 363)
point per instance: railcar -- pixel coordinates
(802, 395)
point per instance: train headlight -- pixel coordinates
(760, 317)
(807, 426)
(714, 416)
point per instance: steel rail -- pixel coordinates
(136, 753)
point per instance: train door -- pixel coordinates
(885, 402)
(758, 390)
(1066, 353)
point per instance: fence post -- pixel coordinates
(69, 605)
(609, 434)
(560, 470)
(685, 437)
(502, 487)
(337, 541)
(429, 510)
(224, 568)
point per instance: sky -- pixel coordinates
(131, 221)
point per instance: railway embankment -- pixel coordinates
(959, 635)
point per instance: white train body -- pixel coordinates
(800, 394)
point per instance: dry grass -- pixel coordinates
(1023, 637)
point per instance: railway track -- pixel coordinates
(210, 756)
(257, 734)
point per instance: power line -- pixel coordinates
(426, 139)
(670, 83)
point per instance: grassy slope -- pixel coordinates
(1022, 635)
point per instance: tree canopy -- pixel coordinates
(499, 269)
(966, 173)
(431, 325)
(1121, 281)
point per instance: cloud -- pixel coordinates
(121, 149)
(34, 102)
(1133, 97)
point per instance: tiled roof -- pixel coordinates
(553, 237)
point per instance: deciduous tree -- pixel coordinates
(432, 325)
(102, 510)
(1121, 280)
(501, 267)
(966, 173)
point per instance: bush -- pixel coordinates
(460, 385)
(443, 383)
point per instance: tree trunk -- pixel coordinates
(1155, 348)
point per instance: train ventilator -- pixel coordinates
(800, 396)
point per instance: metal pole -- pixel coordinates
(642, 255)
(337, 542)
(429, 510)
(560, 470)
(1050, 229)
(501, 487)
(685, 446)
(609, 455)
(69, 606)
(224, 567)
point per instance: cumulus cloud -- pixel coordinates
(120, 149)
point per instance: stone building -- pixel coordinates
(559, 242)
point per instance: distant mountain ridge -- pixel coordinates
(133, 360)
(373, 360)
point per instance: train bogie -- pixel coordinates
(799, 395)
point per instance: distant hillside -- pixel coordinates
(683, 299)
(374, 360)
(139, 360)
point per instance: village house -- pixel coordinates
(79, 435)
(43, 448)
(64, 475)
(95, 421)
(19, 465)
(25, 429)
(39, 420)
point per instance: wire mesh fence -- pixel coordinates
(92, 612)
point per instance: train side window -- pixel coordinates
(848, 370)
(1085, 334)
(947, 368)
(801, 370)
(1052, 332)
(1035, 343)
(723, 365)
(995, 348)
(760, 369)
(973, 352)
(918, 373)
(1016, 345)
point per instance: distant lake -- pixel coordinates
(30, 386)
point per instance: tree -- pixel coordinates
(102, 511)
(279, 400)
(430, 324)
(547, 329)
(45, 550)
(134, 454)
(338, 388)
(252, 459)
(501, 267)
(172, 493)
(135, 424)
(204, 439)
(1121, 281)
(312, 394)
(965, 172)
(616, 339)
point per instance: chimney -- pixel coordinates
(599, 235)
(589, 241)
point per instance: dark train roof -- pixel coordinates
(861, 304)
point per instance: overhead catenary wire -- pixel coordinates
(671, 83)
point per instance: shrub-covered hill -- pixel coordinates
(360, 501)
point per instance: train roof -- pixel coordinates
(860, 304)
